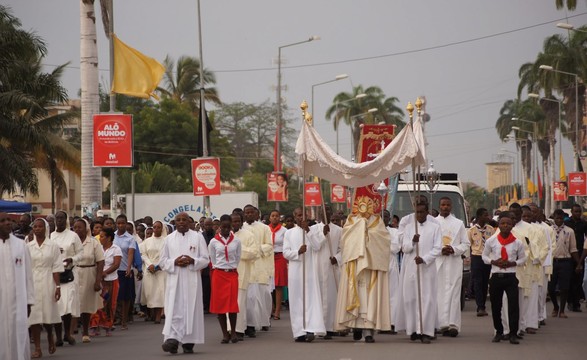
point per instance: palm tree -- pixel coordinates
(182, 82)
(345, 107)
(566, 4)
(29, 137)
(91, 178)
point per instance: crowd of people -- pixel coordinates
(363, 274)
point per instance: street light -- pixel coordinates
(277, 166)
(337, 78)
(569, 27)
(577, 145)
(370, 111)
(337, 125)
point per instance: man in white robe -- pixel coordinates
(306, 317)
(363, 296)
(428, 239)
(549, 235)
(183, 256)
(16, 293)
(327, 260)
(250, 251)
(394, 283)
(449, 265)
(259, 291)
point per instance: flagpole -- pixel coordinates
(113, 171)
(304, 107)
(204, 125)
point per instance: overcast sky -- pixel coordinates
(463, 55)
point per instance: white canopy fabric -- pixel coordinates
(320, 160)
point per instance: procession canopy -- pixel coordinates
(319, 159)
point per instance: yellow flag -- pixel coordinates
(134, 73)
(561, 170)
(507, 197)
(515, 193)
(531, 187)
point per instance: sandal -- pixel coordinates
(225, 341)
(51, 342)
(37, 354)
(276, 317)
(554, 313)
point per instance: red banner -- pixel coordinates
(374, 138)
(276, 186)
(112, 140)
(312, 194)
(206, 176)
(337, 193)
(560, 191)
(577, 184)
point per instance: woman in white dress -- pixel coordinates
(47, 265)
(154, 279)
(88, 271)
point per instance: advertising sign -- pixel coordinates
(276, 186)
(337, 193)
(312, 194)
(577, 184)
(206, 176)
(560, 191)
(112, 140)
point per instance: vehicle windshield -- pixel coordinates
(402, 205)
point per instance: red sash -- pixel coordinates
(274, 230)
(504, 241)
(230, 238)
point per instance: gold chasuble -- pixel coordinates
(363, 296)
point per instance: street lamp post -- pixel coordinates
(577, 145)
(534, 135)
(279, 120)
(337, 78)
(370, 111)
(337, 124)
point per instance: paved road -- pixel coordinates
(560, 339)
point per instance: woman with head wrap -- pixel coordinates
(71, 249)
(154, 279)
(46, 265)
(88, 272)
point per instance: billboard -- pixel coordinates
(337, 193)
(206, 176)
(577, 184)
(112, 140)
(276, 186)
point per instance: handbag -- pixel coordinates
(66, 276)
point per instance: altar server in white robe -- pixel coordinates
(259, 291)
(183, 256)
(250, 251)
(154, 279)
(16, 293)
(449, 265)
(71, 253)
(430, 246)
(327, 261)
(394, 283)
(302, 255)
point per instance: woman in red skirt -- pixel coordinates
(225, 253)
(277, 234)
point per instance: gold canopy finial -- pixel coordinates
(410, 109)
(305, 114)
(419, 104)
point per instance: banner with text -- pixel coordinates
(206, 176)
(337, 193)
(276, 186)
(312, 194)
(577, 184)
(112, 140)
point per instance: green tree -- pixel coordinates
(29, 137)
(566, 4)
(153, 178)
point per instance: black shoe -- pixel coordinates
(542, 323)
(188, 348)
(250, 332)
(482, 312)
(300, 338)
(452, 332)
(426, 339)
(414, 337)
(576, 309)
(265, 328)
(514, 340)
(59, 343)
(445, 332)
(240, 336)
(369, 339)
(170, 346)
(329, 335)
(497, 338)
(310, 337)
(357, 334)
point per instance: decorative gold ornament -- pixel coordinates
(305, 114)
(363, 206)
(410, 109)
(419, 104)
